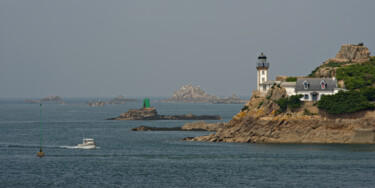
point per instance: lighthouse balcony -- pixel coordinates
(263, 65)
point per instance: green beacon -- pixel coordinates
(146, 103)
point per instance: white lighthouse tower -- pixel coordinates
(262, 73)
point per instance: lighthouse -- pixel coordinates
(262, 71)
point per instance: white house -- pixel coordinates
(312, 89)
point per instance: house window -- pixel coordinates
(264, 87)
(263, 72)
(306, 85)
(262, 80)
(306, 97)
(323, 84)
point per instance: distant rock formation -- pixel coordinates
(118, 100)
(151, 114)
(56, 99)
(97, 103)
(190, 94)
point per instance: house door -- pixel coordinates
(314, 97)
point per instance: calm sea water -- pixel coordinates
(159, 159)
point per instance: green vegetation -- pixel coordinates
(292, 102)
(308, 113)
(291, 79)
(357, 76)
(283, 102)
(369, 93)
(244, 108)
(345, 102)
(312, 74)
(334, 64)
(260, 104)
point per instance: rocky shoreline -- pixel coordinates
(258, 123)
(195, 126)
(151, 114)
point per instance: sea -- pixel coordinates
(160, 158)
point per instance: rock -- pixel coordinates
(46, 99)
(146, 128)
(190, 94)
(97, 103)
(151, 114)
(349, 54)
(354, 53)
(118, 100)
(202, 126)
(195, 126)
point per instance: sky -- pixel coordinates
(91, 48)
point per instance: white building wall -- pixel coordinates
(320, 93)
(290, 91)
(261, 78)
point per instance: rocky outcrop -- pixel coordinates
(349, 54)
(151, 114)
(203, 126)
(261, 123)
(195, 126)
(46, 99)
(96, 103)
(190, 94)
(118, 100)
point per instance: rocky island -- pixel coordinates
(50, 99)
(344, 117)
(118, 100)
(151, 114)
(190, 94)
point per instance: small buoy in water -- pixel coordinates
(40, 153)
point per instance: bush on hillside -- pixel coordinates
(344, 102)
(357, 76)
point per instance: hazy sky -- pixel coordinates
(151, 48)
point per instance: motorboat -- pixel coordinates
(87, 143)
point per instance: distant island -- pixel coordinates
(49, 99)
(118, 100)
(334, 104)
(149, 113)
(190, 94)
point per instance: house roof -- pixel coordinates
(314, 84)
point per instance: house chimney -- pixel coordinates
(333, 73)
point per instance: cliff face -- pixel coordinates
(349, 54)
(260, 124)
(190, 94)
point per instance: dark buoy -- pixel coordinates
(40, 153)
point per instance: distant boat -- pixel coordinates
(87, 143)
